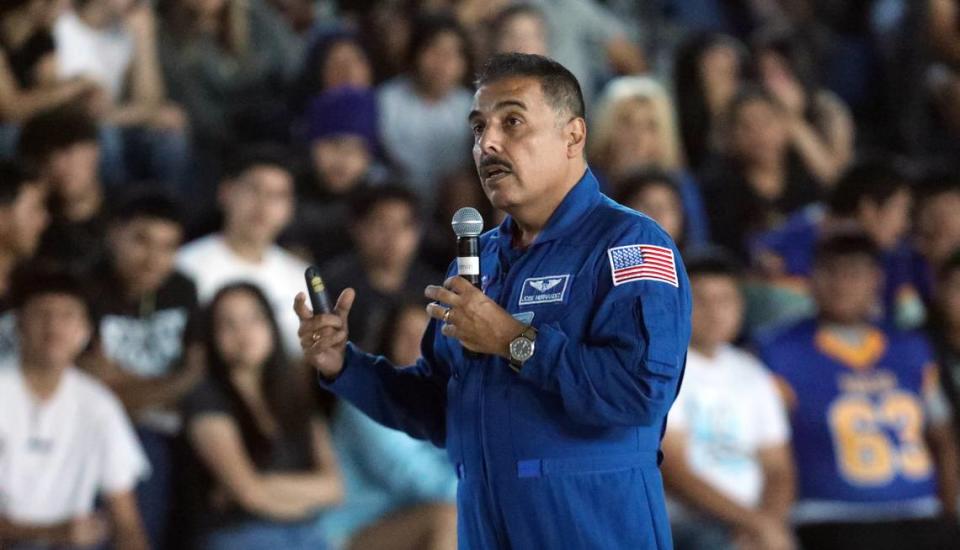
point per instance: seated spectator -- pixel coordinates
(386, 226)
(266, 468)
(820, 126)
(422, 114)
(589, 40)
(707, 74)
(28, 80)
(727, 445)
(341, 131)
(935, 93)
(635, 127)
(23, 217)
(65, 439)
(400, 491)
(113, 43)
(257, 199)
(937, 223)
(872, 436)
(141, 309)
(63, 147)
(758, 181)
(520, 28)
(227, 62)
(384, 31)
(657, 195)
(336, 59)
(873, 195)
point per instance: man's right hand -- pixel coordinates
(323, 338)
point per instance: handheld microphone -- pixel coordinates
(468, 224)
(317, 291)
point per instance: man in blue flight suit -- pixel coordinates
(579, 338)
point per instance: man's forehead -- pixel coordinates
(521, 92)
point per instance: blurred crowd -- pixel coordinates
(170, 168)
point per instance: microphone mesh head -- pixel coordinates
(467, 222)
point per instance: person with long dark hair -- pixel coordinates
(707, 74)
(758, 180)
(267, 468)
(820, 125)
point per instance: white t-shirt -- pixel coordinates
(729, 409)
(103, 55)
(57, 455)
(212, 265)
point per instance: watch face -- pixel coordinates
(521, 349)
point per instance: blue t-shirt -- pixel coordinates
(858, 421)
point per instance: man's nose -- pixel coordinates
(491, 141)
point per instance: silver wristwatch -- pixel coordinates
(522, 347)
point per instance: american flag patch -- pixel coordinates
(642, 262)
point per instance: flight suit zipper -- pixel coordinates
(506, 280)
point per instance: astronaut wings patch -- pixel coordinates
(642, 262)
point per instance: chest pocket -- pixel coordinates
(559, 297)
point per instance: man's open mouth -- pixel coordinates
(495, 172)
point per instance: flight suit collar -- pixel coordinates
(566, 219)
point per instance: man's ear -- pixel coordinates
(576, 134)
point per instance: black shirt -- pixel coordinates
(321, 224)
(143, 335)
(737, 212)
(25, 59)
(286, 453)
(371, 306)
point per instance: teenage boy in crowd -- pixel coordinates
(872, 436)
(141, 308)
(65, 440)
(726, 450)
(257, 199)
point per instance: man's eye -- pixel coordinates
(477, 129)
(513, 121)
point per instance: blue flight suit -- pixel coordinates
(563, 454)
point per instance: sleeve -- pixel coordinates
(772, 427)
(412, 399)
(409, 469)
(205, 399)
(625, 370)
(123, 462)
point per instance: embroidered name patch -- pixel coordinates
(544, 290)
(642, 262)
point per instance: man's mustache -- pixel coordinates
(494, 160)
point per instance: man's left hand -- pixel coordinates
(468, 315)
